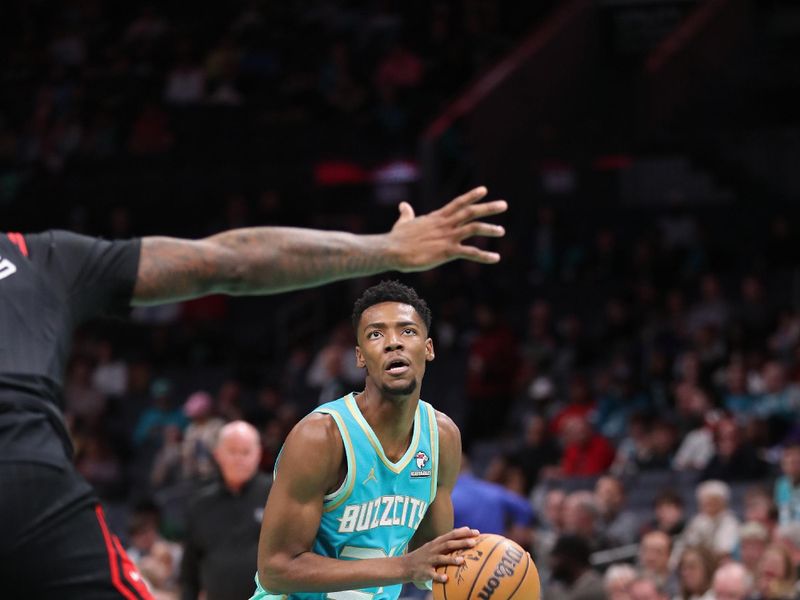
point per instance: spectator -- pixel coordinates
(759, 506)
(715, 527)
(654, 555)
(158, 416)
(697, 448)
(167, 468)
(668, 514)
(582, 519)
(734, 459)
(549, 528)
(491, 372)
(580, 403)
(787, 487)
(491, 508)
(695, 570)
(775, 578)
(586, 453)
(186, 81)
(661, 446)
(617, 580)
(646, 589)
(573, 576)
(731, 582)
(200, 437)
(537, 450)
(156, 557)
(780, 400)
(96, 460)
(753, 541)
(224, 522)
(735, 397)
(620, 526)
(788, 536)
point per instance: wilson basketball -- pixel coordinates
(494, 569)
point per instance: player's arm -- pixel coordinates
(309, 468)
(439, 518)
(264, 260)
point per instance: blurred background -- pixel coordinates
(642, 332)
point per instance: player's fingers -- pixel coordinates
(463, 200)
(460, 544)
(439, 577)
(480, 211)
(449, 559)
(460, 532)
(481, 228)
(477, 255)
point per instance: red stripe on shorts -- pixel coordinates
(115, 557)
(19, 241)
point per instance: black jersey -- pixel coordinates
(50, 283)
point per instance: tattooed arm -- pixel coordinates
(267, 260)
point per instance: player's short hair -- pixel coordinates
(391, 291)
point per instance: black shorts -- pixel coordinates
(54, 542)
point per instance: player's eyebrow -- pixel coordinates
(381, 325)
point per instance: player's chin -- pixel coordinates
(400, 387)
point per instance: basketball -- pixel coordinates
(494, 569)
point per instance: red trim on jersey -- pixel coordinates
(117, 555)
(19, 241)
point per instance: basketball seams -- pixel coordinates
(485, 560)
(522, 579)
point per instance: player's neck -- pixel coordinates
(391, 417)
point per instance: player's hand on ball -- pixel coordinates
(429, 240)
(421, 563)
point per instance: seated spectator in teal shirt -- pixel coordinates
(787, 487)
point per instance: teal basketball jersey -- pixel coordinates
(380, 504)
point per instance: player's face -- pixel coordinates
(393, 346)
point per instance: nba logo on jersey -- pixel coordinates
(422, 460)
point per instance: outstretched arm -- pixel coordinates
(268, 260)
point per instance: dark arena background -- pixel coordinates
(628, 376)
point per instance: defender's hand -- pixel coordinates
(427, 241)
(421, 563)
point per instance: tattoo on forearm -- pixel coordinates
(252, 261)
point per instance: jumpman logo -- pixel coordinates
(371, 476)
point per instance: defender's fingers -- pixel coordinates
(482, 229)
(477, 255)
(479, 211)
(406, 212)
(463, 200)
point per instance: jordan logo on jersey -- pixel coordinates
(7, 268)
(386, 511)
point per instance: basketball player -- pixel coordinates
(54, 542)
(367, 476)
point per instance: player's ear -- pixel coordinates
(360, 362)
(429, 353)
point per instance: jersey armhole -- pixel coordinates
(335, 499)
(433, 427)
